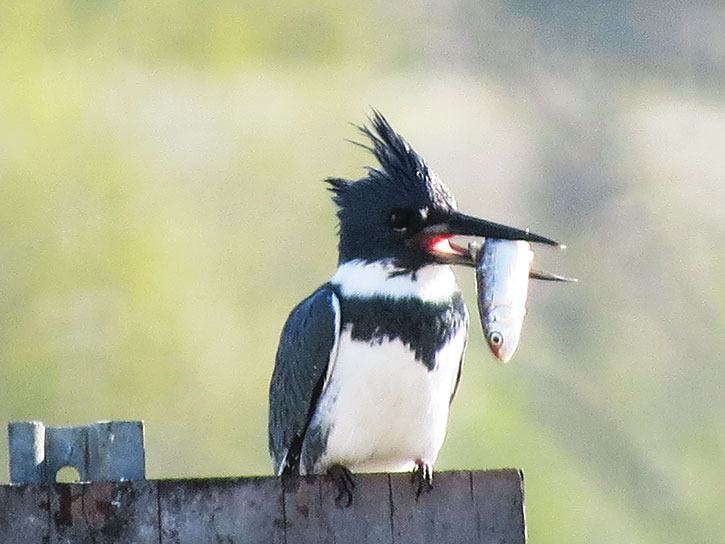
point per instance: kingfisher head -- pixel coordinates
(403, 213)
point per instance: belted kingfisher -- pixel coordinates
(369, 363)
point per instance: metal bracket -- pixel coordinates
(102, 451)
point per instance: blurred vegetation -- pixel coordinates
(161, 212)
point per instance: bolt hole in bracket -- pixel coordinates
(67, 475)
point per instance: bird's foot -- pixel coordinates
(345, 484)
(422, 477)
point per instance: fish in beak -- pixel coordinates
(436, 238)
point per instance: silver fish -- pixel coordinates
(502, 284)
(503, 270)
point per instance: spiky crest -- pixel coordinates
(401, 168)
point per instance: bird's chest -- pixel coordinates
(386, 400)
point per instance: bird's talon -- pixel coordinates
(422, 478)
(345, 484)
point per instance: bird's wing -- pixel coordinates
(307, 350)
(463, 355)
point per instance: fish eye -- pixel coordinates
(495, 338)
(401, 219)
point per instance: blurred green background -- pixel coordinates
(161, 211)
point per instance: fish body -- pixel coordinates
(502, 283)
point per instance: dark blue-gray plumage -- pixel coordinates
(368, 364)
(307, 340)
(424, 326)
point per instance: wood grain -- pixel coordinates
(463, 507)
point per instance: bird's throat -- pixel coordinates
(431, 283)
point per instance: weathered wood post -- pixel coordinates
(482, 507)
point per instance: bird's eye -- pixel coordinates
(495, 338)
(401, 219)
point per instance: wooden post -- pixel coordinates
(463, 508)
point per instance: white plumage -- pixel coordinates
(385, 410)
(432, 283)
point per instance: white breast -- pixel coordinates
(382, 409)
(385, 410)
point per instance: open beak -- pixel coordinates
(435, 239)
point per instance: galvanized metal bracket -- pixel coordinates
(102, 451)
